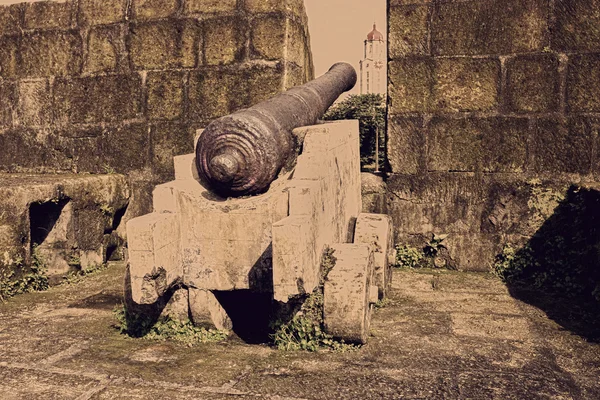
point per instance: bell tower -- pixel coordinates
(372, 66)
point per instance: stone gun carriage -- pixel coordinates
(267, 191)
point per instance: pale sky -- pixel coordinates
(338, 29)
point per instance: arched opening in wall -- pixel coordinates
(355, 31)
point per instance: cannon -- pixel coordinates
(252, 211)
(242, 153)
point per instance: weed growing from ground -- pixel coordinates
(305, 331)
(34, 281)
(165, 328)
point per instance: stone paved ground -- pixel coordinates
(442, 335)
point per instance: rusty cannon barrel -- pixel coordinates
(242, 153)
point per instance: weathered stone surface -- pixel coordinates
(11, 17)
(178, 308)
(492, 27)
(206, 311)
(168, 140)
(410, 83)
(214, 93)
(576, 26)
(583, 94)
(374, 193)
(165, 95)
(295, 256)
(98, 99)
(376, 230)
(106, 50)
(165, 44)
(230, 47)
(406, 145)
(126, 148)
(8, 94)
(34, 103)
(346, 297)
(154, 9)
(31, 149)
(268, 37)
(533, 83)
(50, 15)
(50, 53)
(466, 84)
(9, 47)
(210, 6)
(154, 259)
(408, 31)
(562, 145)
(98, 12)
(436, 203)
(62, 215)
(468, 145)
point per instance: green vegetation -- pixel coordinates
(369, 110)
(305, 331)
(78, 275)
(411, 257)
(165, 328)
(35, 280)
(562, 255)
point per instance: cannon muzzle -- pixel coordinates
(242, 153)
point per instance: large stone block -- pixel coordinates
(106, 51)
(165, 94)
(466, 84)
(277, 37)
(50, 53)
(562, 145)
(35, 100)
(127, 148)
(533, 83)
(230, 47)
(214, 92)
(474, 252)
(469, 145)
(9, 50)
(98, 12)
(436, 203)
(489, 27)
(408, 31)
(169, 139)
(346, 294)
(576, 26)
(406, 145)
(273, 6)
(165, 44)
(11, 18)
(8, 103)
(50, 15)
(261, 82)
(154, 9)
(210, 6)
(206, 311)
(583, 91)
(98, 99)
(32, 150)
(410, 81)
(154, 257)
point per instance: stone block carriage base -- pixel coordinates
(198, 245)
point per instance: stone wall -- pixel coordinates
(494, 111)
(103, 86)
